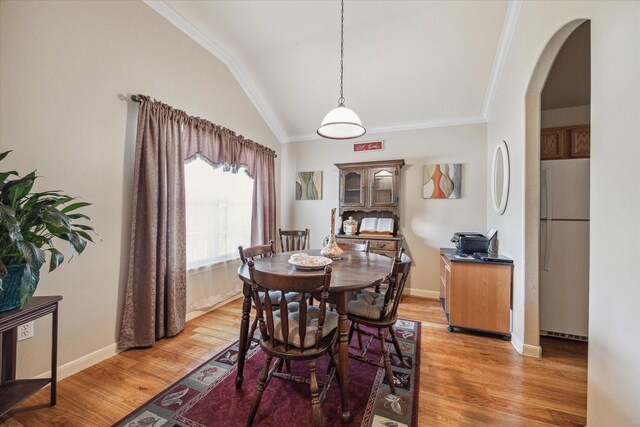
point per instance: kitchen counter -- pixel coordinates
(455, 256)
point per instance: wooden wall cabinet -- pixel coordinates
(370, 186)
(476, 295)
(566, 142)
(371, 189)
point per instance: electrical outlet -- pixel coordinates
(25, 331)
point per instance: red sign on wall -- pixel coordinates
(368, 146)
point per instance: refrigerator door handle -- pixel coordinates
(548, 194)
(547, 244)
(548, 220)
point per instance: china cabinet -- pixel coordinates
(372, 190)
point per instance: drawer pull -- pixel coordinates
(379, 245)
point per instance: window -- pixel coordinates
(218, 211)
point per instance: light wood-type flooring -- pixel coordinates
(465, 379)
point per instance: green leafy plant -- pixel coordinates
(30, 224)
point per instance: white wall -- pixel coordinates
(426, 224)
(614, 338)
(65, 68)
(569, 116)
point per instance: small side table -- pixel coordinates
(13, 391)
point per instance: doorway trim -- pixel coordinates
(532, 100)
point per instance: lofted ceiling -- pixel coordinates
(407, 64)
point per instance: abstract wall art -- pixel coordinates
(442, 181)
(309, 185)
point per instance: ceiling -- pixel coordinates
(569, 81)
(407, 64)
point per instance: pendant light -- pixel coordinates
(341, 122)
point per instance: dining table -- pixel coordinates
(351, 272)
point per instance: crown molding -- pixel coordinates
(196, 35)
(400, 127)
(501, 55)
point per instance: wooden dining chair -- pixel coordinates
(294, 240)
(295, 331)
(380, 311)
(262, 251)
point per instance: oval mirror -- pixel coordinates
(500, 178)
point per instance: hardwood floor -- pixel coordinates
(465, 379)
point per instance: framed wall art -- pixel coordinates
(442, 181)
(309, 185)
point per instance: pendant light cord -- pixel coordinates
(341, 100)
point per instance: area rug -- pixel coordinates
(207, 396)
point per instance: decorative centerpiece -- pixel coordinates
(332, 250)
(350, 226)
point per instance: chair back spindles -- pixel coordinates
(302, 323)
(268, 282)
(397, 279)
(284, 322)
(293, 240)
(259, 251)
(381, 315)
(285, 332)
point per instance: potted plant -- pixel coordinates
(30, 224)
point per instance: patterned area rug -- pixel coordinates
(207, 396)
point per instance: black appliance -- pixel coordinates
(469, 243)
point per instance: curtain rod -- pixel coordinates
(139, 99)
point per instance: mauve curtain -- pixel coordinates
(155, 296)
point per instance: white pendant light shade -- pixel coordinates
(341, 123)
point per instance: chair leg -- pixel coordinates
(252, 331)
(351, 329)
(316, 409)
(333, 362)
(359, 334)
(387, 361)
(396, 344)
(259, 390)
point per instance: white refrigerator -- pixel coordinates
(564, 248)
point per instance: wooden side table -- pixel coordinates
(12, 390)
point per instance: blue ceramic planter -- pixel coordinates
(10, 293)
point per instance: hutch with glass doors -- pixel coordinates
(370, 193)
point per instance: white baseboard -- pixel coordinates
(532, 350)
(517, 344)
(422, 293)
(526, 349)
(196, 313)
(83, 362)
(104, 353)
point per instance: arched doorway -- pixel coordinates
(533, 122)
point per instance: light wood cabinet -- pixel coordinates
(566, 142)
(475, 294)
(371, 190)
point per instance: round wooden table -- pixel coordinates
(355, 270)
